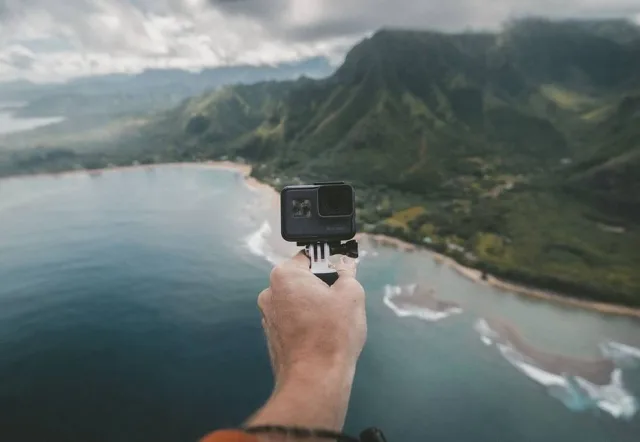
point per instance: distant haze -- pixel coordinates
(9, 123)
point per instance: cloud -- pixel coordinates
(56, 39)
(17, 56)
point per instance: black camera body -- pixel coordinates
(321, 212)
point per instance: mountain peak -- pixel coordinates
(621, 31)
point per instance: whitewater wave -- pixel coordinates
(364, 253)
(622, 355)
(263, 244)
(258, 244)
(423, 313)
(575, 392)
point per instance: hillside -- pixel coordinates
(152, 89)
(610, 177)
(516, 152)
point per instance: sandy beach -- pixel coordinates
(382, 240)
(389, 241)
(245, 169)
(274, 196)
(476, 276)
(506, 286)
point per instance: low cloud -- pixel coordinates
(50, 40)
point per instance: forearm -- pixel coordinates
(310, 396)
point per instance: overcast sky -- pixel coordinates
(56, 39)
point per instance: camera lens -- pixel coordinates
(335, 200)
(301, 208)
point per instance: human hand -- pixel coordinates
(309, 325)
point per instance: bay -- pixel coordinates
(128, 312)
(9, 123)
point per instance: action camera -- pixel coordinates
(321, 212)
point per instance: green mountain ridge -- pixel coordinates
(516, 153)
(611, 174)
(483, 133)
(428, 91)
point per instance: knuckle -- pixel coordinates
(277, 274)
(264, 298)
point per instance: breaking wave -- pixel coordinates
(575, 392)
(423, 313)
(623, 355)
(365, 253)
(258, 244)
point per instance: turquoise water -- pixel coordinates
(127, 312)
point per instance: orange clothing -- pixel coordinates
(229, 436)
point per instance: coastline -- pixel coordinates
(383, 240)
(245, 169)
(506, 286)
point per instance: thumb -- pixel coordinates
(347, 282)
(346, 267)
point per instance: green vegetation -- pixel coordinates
(566, 99)
(517, 153)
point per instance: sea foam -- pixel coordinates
(423, 313)
(258, 244)
(575, 392)
(623, 355)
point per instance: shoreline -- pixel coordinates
(503, 285)
(245, 169)
(384, 240)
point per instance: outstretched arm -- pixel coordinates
(315, 334)
(313, 395)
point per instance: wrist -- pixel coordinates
(313, 393)
(335, 370)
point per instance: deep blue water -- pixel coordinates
(127, 313)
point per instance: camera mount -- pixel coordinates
(319, 253)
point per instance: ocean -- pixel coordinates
(128, 313)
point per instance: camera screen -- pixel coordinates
(335, 200)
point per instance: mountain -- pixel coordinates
(618, 30)
(514, 152)
(575, 54)
(611, 175)
(207, 78)
(416, 109)
(518, 147)
(151, 89)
